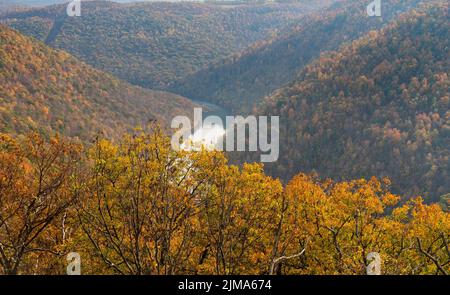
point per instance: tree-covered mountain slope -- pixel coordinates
(244, 79)
(48, 91)
(380, 106)
(153, 44)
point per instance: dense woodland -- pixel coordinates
(139, 207)
(381, 102)
(49, 91)
(153, 44)
(86, 163)
(242, 80)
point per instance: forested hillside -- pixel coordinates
(379, 106)
(153, 44)
(364, 159)
(49, 91)
(245, 78)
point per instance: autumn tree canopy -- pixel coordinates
(138, 207)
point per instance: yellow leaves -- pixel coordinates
(240, 215)
(45, 110)
(401, 213)
(36, 181)
(390, 199)
(7, 142)
(350, 220)
(191, 212)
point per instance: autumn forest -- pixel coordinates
(87, 165)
